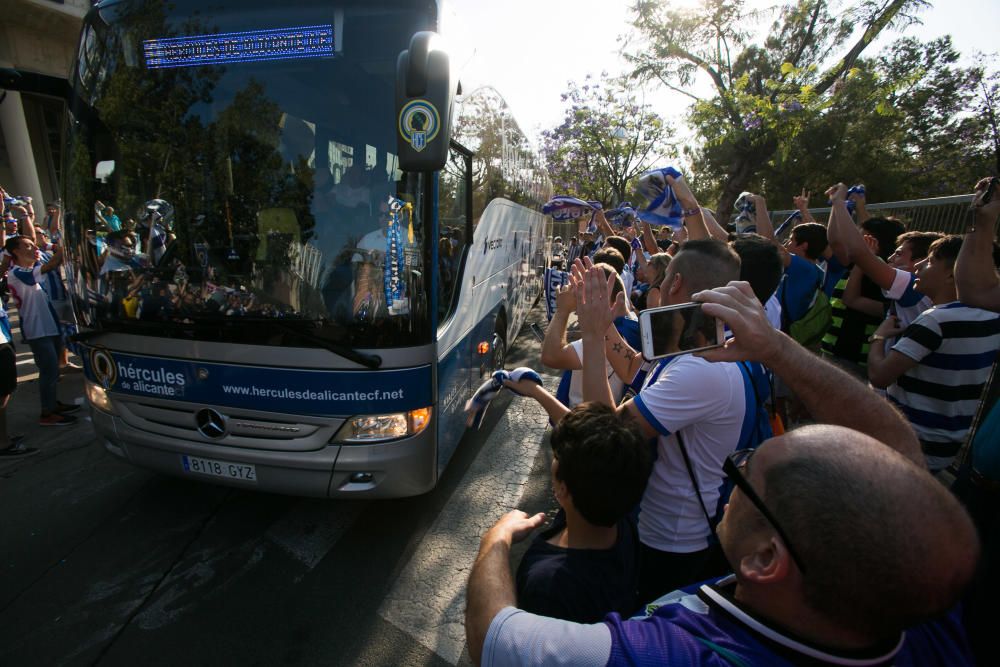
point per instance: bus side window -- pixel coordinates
(454, 222)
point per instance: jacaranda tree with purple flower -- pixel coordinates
(608, 137)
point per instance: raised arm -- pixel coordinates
(603, 226)
(975, 273)
(837, 235)
(850, 237)
(861, 213)
(762, 218)
(854, 300)
(648, 240)
(694, 221)
(491, 586)
(764, 227)
(55, 261)
(714, 228)
(55, 224)
(592, 295)
(99, 212)
(801, 203)
(556, 352)
(840, 399)
(24, 217)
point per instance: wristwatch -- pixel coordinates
(875, 337)
(690, 211)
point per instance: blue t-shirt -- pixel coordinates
(834, 272)
(798, 288)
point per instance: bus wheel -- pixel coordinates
(499, 348)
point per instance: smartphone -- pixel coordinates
(679, 329)
(990, 191)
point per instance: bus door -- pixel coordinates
(458, 358)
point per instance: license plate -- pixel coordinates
(213, 468)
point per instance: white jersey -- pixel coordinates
(576, 379)
(706, 403)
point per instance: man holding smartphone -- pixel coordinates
(695, 409)
(683, 399)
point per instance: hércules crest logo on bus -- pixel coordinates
(419, 123)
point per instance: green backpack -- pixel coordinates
(808, 330)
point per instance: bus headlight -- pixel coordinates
(98, 397)
(376, 428)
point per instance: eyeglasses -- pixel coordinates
(734, 467)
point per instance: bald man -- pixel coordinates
(844, 549)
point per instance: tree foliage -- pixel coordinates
(899, 123)
(607, 138)
(770, 97)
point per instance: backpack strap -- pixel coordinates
(694, 482)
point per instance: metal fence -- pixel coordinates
(949, 215)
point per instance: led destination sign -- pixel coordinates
(234, 47)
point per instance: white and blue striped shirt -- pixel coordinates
(955, 346)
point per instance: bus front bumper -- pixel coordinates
(393, 469)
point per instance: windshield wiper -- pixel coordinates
(367, 360)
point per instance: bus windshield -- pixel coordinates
(234, 162)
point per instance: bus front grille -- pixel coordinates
(252, 430)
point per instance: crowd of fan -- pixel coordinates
(31, 269)
(841, 541)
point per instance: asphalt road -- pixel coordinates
(102, 563)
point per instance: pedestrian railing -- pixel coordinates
(949, 215)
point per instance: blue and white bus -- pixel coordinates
(295, 251)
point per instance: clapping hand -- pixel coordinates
(593, 306)
(566, 299)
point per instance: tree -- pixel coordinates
(899, 123)
(607, 138)
(764, 95)
(988, 108)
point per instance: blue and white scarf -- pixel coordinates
(746, 210)
(787, 223)
(854, 190)
(564, 207)
(393, 254)
(480, 401)
(663, 209)
(623, 216)
(554, 279)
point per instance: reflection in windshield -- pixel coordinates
(251, 189)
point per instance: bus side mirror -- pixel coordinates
(425, 99)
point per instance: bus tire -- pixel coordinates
(499, 344)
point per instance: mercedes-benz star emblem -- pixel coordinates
(211, 423)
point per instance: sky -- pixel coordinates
(529, 49)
